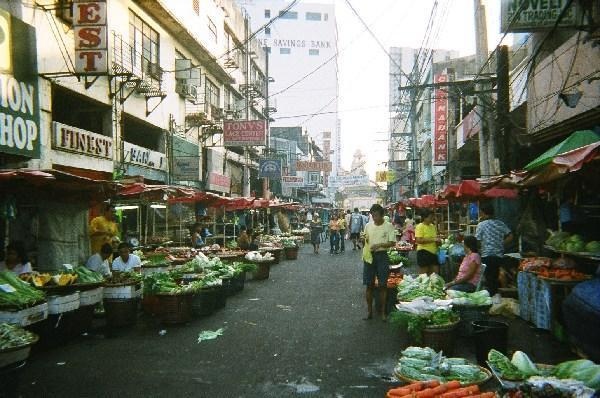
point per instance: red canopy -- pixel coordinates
(427, 201)
(155, 192)
(472, 190)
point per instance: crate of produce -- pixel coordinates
(121, 312)
(174, 308)
(91, 297)
(122, 292)
(16, 344)
(62, 304)
(27, 316)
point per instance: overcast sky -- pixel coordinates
(363, 65)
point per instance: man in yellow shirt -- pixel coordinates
(379, 237)
(103, 229)
(342, 224)
(427, 244)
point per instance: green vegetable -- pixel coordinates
(565, 369)
(12, 336)
(85, 275)
(502, 364)
(415, 323)
(593, 247)
(16, 293)
(524, 364)
(481, 297)
(424, 353)
(590, 376)
(396, 258)
(411, 288)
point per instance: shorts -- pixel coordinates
(355, 235)
(425, 258)
(380, 269)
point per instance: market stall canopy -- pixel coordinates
(449, 192)
(472, 190)
(427, 201)
(207, 199)
(140, 190)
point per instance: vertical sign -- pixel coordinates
(91, 39)
(5, 42)
(440, 135)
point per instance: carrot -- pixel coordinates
(432, 383)
(399, 392)
(484, 395)
(452, 385)
(416, 386)
(461, 392)
(439, 390)
(426, 393)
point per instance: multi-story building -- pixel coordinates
(136, 88)
(302, 46)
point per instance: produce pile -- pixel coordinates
(564, 241)
(289, 243)
(124, 278)
(259, 258)
(480, 298)
(12, 336)
(164, 283)
(16, 293)
(520, 367)
(435, 389)
(396, 257)
(560, 268)
(423, 285)
(86, 275)
(404, 246)
(421, 313)
(424, 364)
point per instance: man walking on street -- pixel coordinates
(334, 235)
(379, 237)
(342, 224)
(493, 235)
(357, 225)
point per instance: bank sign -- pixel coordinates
(19, 103)
(141, 156)
(532, 15)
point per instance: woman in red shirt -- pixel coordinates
(469, 271)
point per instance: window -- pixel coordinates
(285, 51)
(267, 13)
(212, 28)
(64, 11)
(145, 43)
(196, 6)
(267, 31)
(288, 15)
(211, 92)
(313, 16)
(313, 51)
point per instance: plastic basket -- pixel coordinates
(440, 338)
(174, 308)
(91, 297)
(62, 304)
(15, 354)
(27, 316)
(468, 314)
(121, 312)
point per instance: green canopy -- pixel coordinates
(577, 140)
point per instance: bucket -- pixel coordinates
(442, 253)
(488, 335)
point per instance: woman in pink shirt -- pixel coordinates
(469, 271)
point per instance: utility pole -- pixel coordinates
(502, 109)
(267, 114)
(246, 170)
(487, 148)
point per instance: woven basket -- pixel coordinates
(221, 297)
(440, 338)
(291, 253)
(203, 302)
(121, 312)
(175, 308)
(262, 271)
(468, 314)
(238, 282)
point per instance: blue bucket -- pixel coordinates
(442, 254)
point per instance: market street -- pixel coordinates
(299, 331)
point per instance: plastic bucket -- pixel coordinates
(442, 253)
(488, 335)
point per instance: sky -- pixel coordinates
(363, 65)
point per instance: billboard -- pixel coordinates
(440, 135)
(303, 165)
(529, 16)
(348, 181)
(269, 168)
(292, 181)
(186, 168)
(244, 132)
(218, 182)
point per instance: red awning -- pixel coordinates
(154, 192)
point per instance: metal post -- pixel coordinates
(482, 53)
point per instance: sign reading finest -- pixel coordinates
(244, 132)
(529, 16)
(218, 182)
(440, 135)
(91, 39)
(303, 165)
(144, 156)
(72, 139)
(292, 181)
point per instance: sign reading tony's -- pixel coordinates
(244, 132)
(89, 26)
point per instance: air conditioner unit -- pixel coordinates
(182, 88)
(154, 70)
(192, 93)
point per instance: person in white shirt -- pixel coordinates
(100, 262)
(15, 259)
(126, 262)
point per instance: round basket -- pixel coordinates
(121, 312)
(175, 308)
(204, 301)
(263, 270)
(16, 354)
(238, 282)
(221, 297)
(468, 314)
(291, 253)
(440, 337)
(488, 376)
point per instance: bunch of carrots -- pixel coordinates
(433, 389)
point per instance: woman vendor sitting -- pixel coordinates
(197, 231)
(16, 259)
(469, 271)
(243, 240)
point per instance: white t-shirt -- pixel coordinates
(96, 264)
(19, 268)
(132, 262)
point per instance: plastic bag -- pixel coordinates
(367, 256)
(508, 307)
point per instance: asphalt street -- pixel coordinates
(299, 333)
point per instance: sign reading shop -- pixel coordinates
(19, 105)
(72, 139)
(141, 156)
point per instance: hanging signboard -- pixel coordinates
(218, 182)
(19, 104)
(348, 181)
(186, 168)
(440, 135)
(269, 168)
(292, 181)
(244, 132)
(91, 38)
(144, 157)
(303, 165)
(72, 139)
(467, 128)
(381, 176)
(529, 16)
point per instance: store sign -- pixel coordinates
(244, 132)
(269, 168)
(72, 139)
(144, 157)
(440, 135)
(532, 15)
(91, 38)
(292, 181)
(469, 127)
(303, 165)
(218, 182)
(19, 104)
(348, 181)
(186, 168)
(381, 176)
(295, 43)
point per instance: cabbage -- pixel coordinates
(593, 247)
(590, 376)
(524, 364)
(564, 370)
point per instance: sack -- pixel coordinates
(367, 256)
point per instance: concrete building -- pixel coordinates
(302, 46)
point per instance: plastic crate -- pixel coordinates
(62, 304)
(122, 292)
(91, 297)
(25, 317)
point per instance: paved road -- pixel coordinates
(298, 333)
